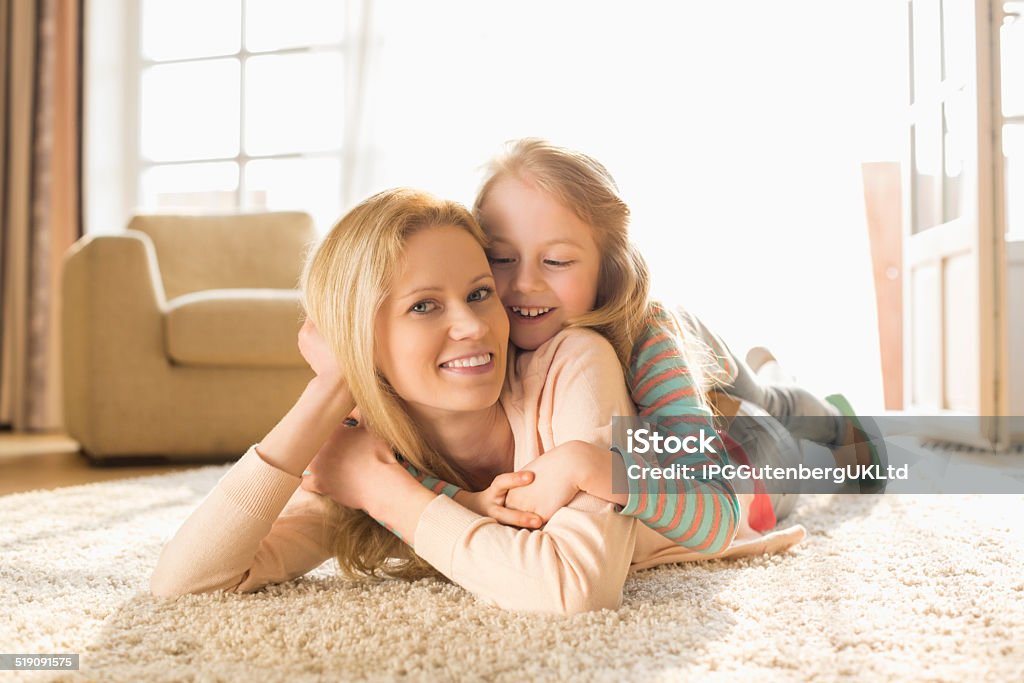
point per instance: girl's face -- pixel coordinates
(442, 334)
(544, 258)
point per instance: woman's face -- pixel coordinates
(442, 334)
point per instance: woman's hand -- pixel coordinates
(559, 475)
(491, 501)
(349, 468)
(318, 354)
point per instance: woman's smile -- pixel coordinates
(442, 333)
(473, 364)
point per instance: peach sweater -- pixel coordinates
(258, 526)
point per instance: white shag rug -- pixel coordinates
(884, 588)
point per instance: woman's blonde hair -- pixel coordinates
(583, 185)
(344, 284)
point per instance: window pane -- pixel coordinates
(927, 169)
(312, 185)
(958, 40)
(1012, 38)
(180, 29)
(293, 103)
(274, 25)
(956, 130)
(190, 110)
(1013, 148)
(927, 34)
(190, 186)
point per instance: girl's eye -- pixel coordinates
(423, 307)
(499, 261)
(481, 294)
(558, 264)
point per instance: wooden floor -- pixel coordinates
(47, 461)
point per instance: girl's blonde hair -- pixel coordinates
(622, 310)
(344, 284)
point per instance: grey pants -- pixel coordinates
(782, 413)
(800, 412)
(767, 442)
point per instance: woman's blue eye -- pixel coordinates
(481, 294)
(422, 307)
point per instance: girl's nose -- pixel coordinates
(527, 280)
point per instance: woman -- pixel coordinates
(407, 326)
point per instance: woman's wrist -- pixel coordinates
(296, 438)
(334, 395)
(393, 496)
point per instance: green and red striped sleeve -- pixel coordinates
(700, 513)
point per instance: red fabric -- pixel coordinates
(762, 516)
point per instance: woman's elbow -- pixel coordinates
(590, 598)
(588, 591)
(164, 586)
(160, 587)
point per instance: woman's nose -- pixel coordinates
(467, 324)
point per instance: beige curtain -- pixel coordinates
(40, 200)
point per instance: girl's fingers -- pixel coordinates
(525, 520)
(511, 480)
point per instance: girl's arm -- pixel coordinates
(699, 513)
(491, 501)
(661, 385)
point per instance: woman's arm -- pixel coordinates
(256, 527)
(346, 469)
(295, 440)
(241, 537)
(577, 563)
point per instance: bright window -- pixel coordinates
(226, 117)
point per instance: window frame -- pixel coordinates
(136, 164)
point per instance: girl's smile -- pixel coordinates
(544, 257)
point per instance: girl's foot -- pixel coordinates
(758, 356)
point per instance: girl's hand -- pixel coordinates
(349, 467)
(318, 354)
(560, 474)
(491, 501)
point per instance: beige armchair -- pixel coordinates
(179, 334)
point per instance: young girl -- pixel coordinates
(561, 257)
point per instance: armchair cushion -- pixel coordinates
(235, 328)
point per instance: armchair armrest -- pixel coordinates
(113, 304)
